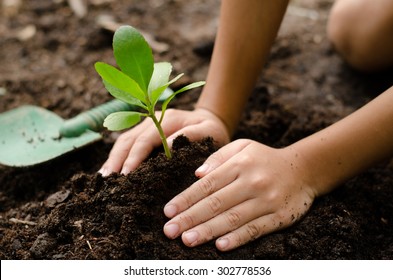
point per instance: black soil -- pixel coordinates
(63, 209)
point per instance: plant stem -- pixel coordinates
(162, 136)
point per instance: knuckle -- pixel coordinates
(274, 197)
(257, 183)
(237, 239)
(185, 200)
(206, 185)
(216, 158)
(142, 140)
(186, 221)
(246, 160)
(245, 234)
(124, 137)
(233, 219)
(243, 142)
(215, 204)
(253, 231)
(262, 183)
(208, 232)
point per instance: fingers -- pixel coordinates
(199, 190)
(259, 226)
(245, 233)
(237, 225)
(203, 188)
(227, 221)
(141, 148)
(130, 149)
(206, 198)
(118, 155)
(248, 232)
(222, 155)
(210, 206)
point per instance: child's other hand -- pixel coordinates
(133, 146)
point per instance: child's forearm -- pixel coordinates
(246, 32)
(349, 146)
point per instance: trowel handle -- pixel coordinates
(93, 118)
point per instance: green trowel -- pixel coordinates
(31, 135)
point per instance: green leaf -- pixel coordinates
(161, 73)
(156, 94)
(122, 120)
(118, 79)
(133, 55)
(188, 87)
(123, 96)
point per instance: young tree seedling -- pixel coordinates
(139, 82)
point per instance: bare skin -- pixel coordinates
(362, 32)
(247, 189)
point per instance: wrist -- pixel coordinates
(316, 175)
(302, 169)
(212, 113)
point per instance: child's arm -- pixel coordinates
(246, 32)
(350, 145)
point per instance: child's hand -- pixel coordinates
(246, 190)
(133, 146)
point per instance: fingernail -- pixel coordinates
(104, 172)
(124, 171)
(171, 230)
(222, 243)
(170, 210)
(191, 237)
(169, 141)
(202, 169)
